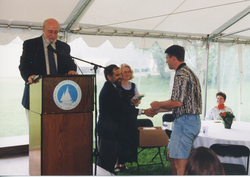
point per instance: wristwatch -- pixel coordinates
(142, 111)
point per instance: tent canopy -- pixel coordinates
(122, 20)
(144, 22)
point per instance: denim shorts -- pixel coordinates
(185, 130)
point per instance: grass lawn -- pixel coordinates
(13, 120)
(145, 157)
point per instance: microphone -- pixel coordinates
(58, 52)
(61, 52)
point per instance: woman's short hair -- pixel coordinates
(126, 65)
(221, 94)
(203, 161)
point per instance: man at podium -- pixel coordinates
(38, 58)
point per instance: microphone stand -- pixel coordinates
(96, 152)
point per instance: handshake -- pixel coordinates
(150, 112)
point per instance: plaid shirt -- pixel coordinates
(187, 90)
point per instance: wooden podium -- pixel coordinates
(61, 125)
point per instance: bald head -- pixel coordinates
(50, 30)
(51, 21)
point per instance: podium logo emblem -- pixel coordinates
(67, 95)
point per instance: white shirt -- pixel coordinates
(45, 44)
(213, 113)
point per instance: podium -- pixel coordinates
(61, 125)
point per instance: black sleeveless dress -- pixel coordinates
(128, 146)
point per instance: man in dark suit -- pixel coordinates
(35, 60)
(114, 119)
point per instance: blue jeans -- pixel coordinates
(185, 130)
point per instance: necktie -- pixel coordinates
(52, 64)
(119, 91)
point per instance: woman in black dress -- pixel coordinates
(128, 148)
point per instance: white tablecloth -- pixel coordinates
(239, 134)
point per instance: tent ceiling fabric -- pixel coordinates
(122, 21)
(33, 13)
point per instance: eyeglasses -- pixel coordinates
(51, 31)
(126, 72)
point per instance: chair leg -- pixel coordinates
(137, 162)
(138, 165)
(159, 151)
(155, 156)
(165, 152)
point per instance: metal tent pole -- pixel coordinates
(206, 73)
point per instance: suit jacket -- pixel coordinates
(116, 122)
(32, 62)
(112, 113)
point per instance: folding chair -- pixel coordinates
(236, 151)
(167, 118)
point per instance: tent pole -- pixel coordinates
(205, 94)
(218, 68)
(241, 79)
(65, 36)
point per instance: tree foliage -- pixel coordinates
(160, 60)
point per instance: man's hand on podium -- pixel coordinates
(33, 79)
(72, 72)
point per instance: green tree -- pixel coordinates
(160, 60)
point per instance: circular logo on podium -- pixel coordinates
(67, 95)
